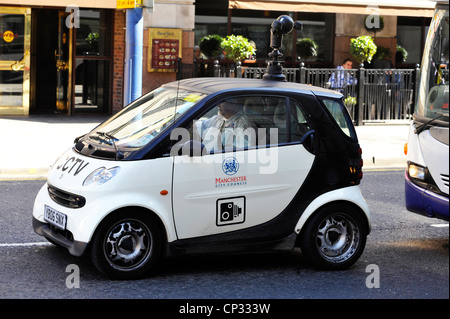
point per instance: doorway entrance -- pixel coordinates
(70, 65)
(51, 62)
(15, 26)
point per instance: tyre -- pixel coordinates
(334, 237)
(126, 245)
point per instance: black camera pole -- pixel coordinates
(281, 26)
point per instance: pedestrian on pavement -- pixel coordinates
(342, 77)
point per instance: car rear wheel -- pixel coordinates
(126, 246)
(334, 238)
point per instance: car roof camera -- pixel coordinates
(281, 26)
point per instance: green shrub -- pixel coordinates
(307, 48)
(401, 54)
(210, 45)
(237, 48)
(363, 48)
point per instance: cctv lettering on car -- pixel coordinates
(73, 164)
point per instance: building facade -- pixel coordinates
(68, 57)
(72, 57)
(331, 24)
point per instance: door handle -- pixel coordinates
(60, 64)
(20, 65)
(310, 142)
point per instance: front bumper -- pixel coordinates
(78, 230)
(64, 239)
(425, 202)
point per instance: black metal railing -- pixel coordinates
(370, 95)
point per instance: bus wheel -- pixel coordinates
(126, 247)
(334, 237)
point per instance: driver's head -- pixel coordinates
(230, 107)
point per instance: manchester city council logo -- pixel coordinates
(230, 166)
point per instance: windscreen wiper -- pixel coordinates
(426, 125)
(119, 155)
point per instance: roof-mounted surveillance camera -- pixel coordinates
(281, 26)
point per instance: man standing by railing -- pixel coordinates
(342, 78)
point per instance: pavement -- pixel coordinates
(30, 145)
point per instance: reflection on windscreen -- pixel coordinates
(144, 119)
(434, 86)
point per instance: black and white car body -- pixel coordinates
(212, 165)
(141, 186)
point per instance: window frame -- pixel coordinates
(290, 101)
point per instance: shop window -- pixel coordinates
(93, 61)
(11, 88)
(411, 34)
(255, 25)
(11, 36)
(11, 49)
(407, 37)
(94, 33)
(92, 85)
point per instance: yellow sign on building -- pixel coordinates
(129, 4)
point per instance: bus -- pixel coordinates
(427, 149)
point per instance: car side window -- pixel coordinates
(225, 127)
(340, 115)
(269, 115)
(247, 122)
(273, 116)
(299, 126)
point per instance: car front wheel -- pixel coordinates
(126, 245)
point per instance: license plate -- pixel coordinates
(55, 218)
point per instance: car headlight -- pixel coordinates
(101, 175)
(416, 171)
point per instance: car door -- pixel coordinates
(241, 185)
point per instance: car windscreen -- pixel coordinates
(432, 102)
(140, 122)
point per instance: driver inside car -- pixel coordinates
(229, 129)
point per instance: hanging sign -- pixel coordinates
(164, 49)
(129, 4)
(126, 4)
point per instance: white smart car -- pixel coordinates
(211, 165)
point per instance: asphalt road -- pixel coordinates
(406, 257)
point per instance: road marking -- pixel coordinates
(45, 243)
(5, 178)
(381, 169)
(439, 225)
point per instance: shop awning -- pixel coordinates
(104, 4)
(412, 8)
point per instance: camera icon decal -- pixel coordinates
(230, 211)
